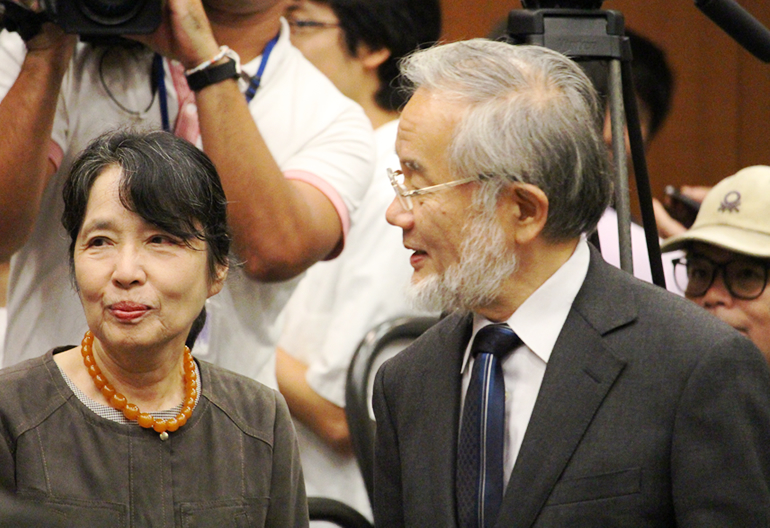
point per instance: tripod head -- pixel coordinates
(596, 39)
(562, 4)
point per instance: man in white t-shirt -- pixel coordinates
(294, 160)
(357, 44)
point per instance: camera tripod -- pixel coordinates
(591, 36)
(596, 39)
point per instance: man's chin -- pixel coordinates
(428, 293)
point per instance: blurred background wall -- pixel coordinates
(720, 119)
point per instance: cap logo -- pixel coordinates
(730, 203)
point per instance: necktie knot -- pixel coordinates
(495, 339)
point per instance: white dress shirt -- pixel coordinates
(538, 323)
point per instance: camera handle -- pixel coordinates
(19, 19)
(588, 36)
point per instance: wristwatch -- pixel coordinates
(207, 73)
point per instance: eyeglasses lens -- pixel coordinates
(397, 181)
(744, 279)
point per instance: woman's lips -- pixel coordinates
(128, 311)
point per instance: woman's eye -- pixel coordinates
(97, 242)
(160, 239)
(164, 239)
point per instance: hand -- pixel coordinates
(667, 226)
(696, 192)
(184, 34)
(54, 44)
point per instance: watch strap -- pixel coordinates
(212, 75)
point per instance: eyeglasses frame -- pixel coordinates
(720, 268)
(405, 195)
(302, 24)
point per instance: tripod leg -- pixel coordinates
(642, 177)
(617, 119)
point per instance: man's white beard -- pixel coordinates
(475, 280)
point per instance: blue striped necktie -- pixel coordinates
(480, 463)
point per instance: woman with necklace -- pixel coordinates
(128, 429)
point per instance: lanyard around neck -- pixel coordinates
(257, 79)
(250, 92)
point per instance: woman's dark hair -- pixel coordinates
(400, 26)
(165, 180)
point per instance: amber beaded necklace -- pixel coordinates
(131, 411)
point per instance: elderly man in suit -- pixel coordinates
(560, 391)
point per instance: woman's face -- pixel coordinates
(140, 287)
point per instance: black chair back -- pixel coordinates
(381, 342)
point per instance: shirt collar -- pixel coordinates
(276, 56)
(540, 318)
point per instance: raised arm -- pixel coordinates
(27, 113)
(280, 226)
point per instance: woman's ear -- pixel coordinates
(525, 207)
(219, 279)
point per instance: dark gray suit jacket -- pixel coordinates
(651, 413)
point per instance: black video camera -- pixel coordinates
(88, 18)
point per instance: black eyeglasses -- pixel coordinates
(744, 278)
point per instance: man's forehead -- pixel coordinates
(428, 116)
(716, 253)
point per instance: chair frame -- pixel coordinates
(362, 427)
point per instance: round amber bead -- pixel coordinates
(131, 411)
(88, 360)
(189, 402)
(99, 381)
(85, 350)
(118, 401)
(108, 392)
(94, 371)
(159, 425)
(189, 366)
(88, 339)
(172, 425)
(187, 411)
(145, 420)
(181, 419)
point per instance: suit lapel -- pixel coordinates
(579, 374)
(442, 413)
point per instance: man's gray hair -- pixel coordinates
(532, 116)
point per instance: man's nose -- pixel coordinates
(398, 216)
(717, 294)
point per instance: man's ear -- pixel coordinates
(372, 59)
(526, 210)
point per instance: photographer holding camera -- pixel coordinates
(294, 155)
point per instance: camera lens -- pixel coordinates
(111, 12)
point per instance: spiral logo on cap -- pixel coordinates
(731, 202)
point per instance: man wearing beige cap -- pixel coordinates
(727, 252)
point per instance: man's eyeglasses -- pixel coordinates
(302, 26)
(744, 279)
(405, 195)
